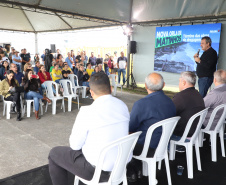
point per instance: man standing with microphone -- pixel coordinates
(206, 65)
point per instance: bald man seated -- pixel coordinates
(216, 97)
(155, 107)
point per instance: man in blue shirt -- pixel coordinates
(18, 75)
(155, 107)
(69, 60)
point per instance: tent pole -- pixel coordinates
(36, 42)
(128, 61)
(128, 45)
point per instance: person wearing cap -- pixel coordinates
(16, 59)
(106, 68)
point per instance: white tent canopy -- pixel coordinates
(56, 15)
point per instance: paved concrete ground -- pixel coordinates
(25, 145)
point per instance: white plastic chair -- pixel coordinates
(50, 95)
(149, 163)
(72, 78)
(28, 105)
(219, 129)
(7, 106)
(67, 85)
(194, 140)
(114, 84)
(125, 147)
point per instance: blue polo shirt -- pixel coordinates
(149, 110)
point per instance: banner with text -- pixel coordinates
(175, 46)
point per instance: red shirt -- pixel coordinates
(42, 77)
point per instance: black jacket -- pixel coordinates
(188, 102)
(208, 63)
(82, 78)
(31, 85)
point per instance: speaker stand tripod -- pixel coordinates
(133, 81)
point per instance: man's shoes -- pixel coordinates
(180, 148)
(131, 175)
(18, 116)
(12, 111)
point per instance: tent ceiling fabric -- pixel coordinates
(55, 15)
(150, 10)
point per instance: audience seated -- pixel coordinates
(26, 67)
(51, 68)
(3, 69)
(155, 107)
(100, 68)
(83, 77)
(90, 134)
(89, 70)
(56, 73)
(36, 68)
(3, 57)
(31, 86)
(9, 92)
(69, 60)
(216, 97)
(96, 70)
(60, 60)
(75, 70)
(17, 75)
(188, 102)
(66, 71)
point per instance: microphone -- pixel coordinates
(198, 52)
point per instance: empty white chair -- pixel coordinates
(72, 78)
(125, 147)
(28, 105)
(219, 129)
(114, 84)
(149, 163)
(194, 140)
(51, 96)
(68, 92)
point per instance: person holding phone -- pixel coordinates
(8, 91)
(32, 85)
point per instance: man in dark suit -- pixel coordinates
(155, 107)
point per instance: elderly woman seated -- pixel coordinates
(31, 85)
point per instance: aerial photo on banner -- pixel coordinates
(175, 46)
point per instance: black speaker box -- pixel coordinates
(53, 48)
(133, 47)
